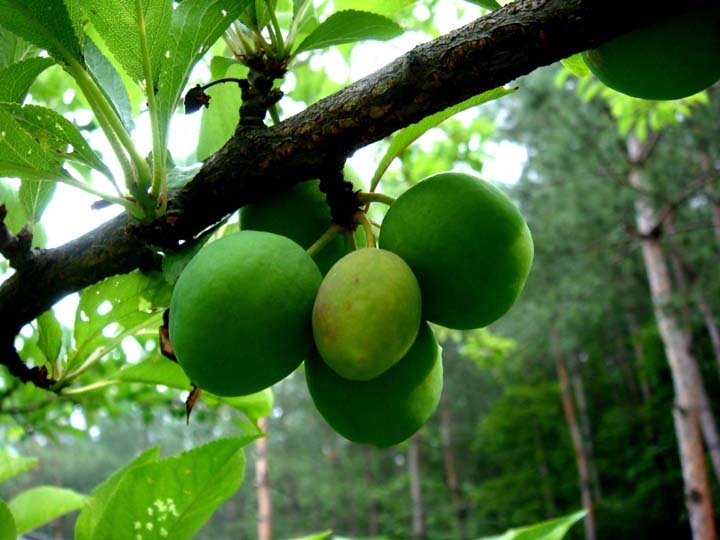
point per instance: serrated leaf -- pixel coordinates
(16, 79)
(196, 25)
(155, 370)
(55, 134)
(110, 82)
(383, 7)
(12, 465)
(576, 65)
(100, 497)
(487, 4)
(406, 136)
(44, 23)
(554, 529)
(118, 23)
(175, 495)
(39, 505)
(49, 335)
(348, 27)
(219, 121)
(8, 531)
(22, 156)
(115, 308)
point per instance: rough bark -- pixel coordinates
(450, 469)
(683, 367)
(581, 459)
(418, 511)
(259, 161)
(262, 483)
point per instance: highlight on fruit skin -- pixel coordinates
(388, 409)
(670, 59)
(467, 244)
(366, 314)
(240, 312)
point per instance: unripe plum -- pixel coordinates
(467, 244)
(670, 59)
(240, 312)
(388, 409)
(366, 314)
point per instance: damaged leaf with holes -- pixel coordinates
(113, 309)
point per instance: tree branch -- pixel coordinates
(258, 161)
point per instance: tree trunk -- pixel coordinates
(262, 481)
(578, 446)
(707, 417)
(449, 461)
(418, 513)
(585, 429)
(683, 367)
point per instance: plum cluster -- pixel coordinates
(251, 307)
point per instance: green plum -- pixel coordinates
(366, 314)
(467, 244)
(670, 59)
(388, 409)
(302, 215)
(240, 313)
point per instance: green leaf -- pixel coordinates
(14, 49)
(34, 197)
(219, 121)
(8, 530)
(22, 156)
(44, 23)
(156, 370)
(254, 406)
(383, 7)
(100, 497)
(118, 24)
(110, 82)
(350, 26)
(554, 529)
(16, 79)
(49, 335)
(174, 497)
(325, 535)
(15, 219)
(55, 134)
(39, 505)
(487, 4)
(576, 65)
(408, 135)
(115, 308)
(196, 25)
(11, 465)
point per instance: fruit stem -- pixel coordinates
(368, 197)
(324, 240)
(369, 235)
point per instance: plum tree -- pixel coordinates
(670, 59)
(240, 312)
(366, 314)
(387, 409)
(467, 244)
